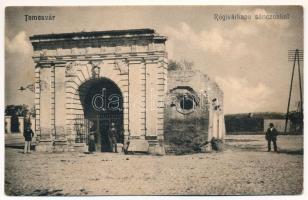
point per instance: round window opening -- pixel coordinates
(186, 103)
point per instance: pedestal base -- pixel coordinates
(156, 148)
(44, 146)
(138, 146)
(60, 145)
(80, 147)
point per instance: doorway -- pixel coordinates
(102, 103)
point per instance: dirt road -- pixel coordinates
(244, 168)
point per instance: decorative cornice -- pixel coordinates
(70, 57)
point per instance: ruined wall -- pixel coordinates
(193, 112)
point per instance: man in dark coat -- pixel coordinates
(271, 136)
(28, 134)
(113, 138)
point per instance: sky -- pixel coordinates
(247, 58)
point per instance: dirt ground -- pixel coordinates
(244, 168)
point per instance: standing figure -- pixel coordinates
(92, 140)
(28, 134)
(113, 137)
(271, 136)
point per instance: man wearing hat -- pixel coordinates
(271, 136)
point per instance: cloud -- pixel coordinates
(211, 40)
(232, 40)
(242, 96)
(234, 55)
(19, 70)
(18, 44)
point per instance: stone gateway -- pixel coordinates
(86, 81)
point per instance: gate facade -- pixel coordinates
(69, 64)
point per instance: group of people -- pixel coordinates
(112, 136)
(270, 135)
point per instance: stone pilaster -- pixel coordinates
(37, 95)
(122, 66)
(137, 100)
(157, 81)
(151, 98)
(143, 99)
(52, 101)
(161, 92)
(45, 109)
(60, 142)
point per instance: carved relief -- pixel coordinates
(72, 67)
(95, 70)
(122, 66)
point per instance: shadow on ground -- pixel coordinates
(292, 152)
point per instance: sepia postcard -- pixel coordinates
(153, 100)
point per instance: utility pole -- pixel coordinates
(295, 56)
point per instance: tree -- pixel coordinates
(174, 65)
(183, 65)
(16, 111)
(296, 121)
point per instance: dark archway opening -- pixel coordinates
(102, 103)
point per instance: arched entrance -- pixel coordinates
(102, 103)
